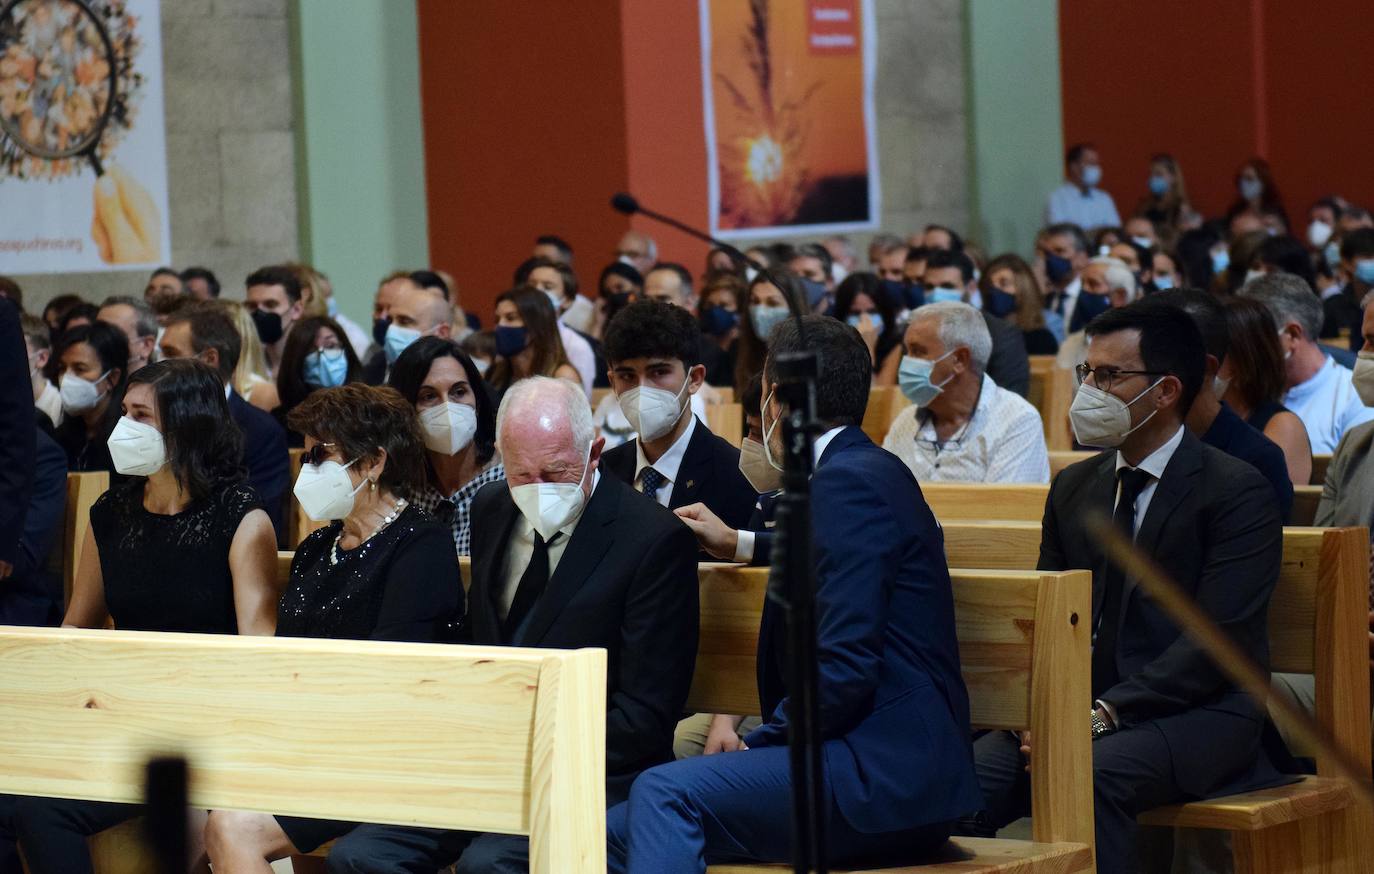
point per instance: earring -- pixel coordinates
(374, 485)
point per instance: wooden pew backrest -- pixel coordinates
(82, 491)
(726, 421)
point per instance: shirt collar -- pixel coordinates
(1155, 463)
(823, 441)
(670, 462)
(1315, 382)
(228, 390)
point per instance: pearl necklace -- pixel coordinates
(386, 520)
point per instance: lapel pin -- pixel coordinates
(691, 482)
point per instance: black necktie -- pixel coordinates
(650, 481)
(532, 584)
(1104, 645)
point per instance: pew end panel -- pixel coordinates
(82, 491)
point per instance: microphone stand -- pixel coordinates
(791, 581)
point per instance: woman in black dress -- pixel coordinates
(382, 570)
(183, 546)
(92, 363)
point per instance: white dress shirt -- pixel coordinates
(744, 549)
(580, 355)
(1003, 441)
(1328, 405)
(668, 464)
(50, 402)
(520, 550)
(1089, 209)
(1153, 464)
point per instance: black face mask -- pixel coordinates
(379, 327)
(268, 325)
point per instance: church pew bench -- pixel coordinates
(82, 491)
(726, 421)
(1319, 465)
(477, 738)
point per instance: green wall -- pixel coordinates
(359, 146)
(1016, 139)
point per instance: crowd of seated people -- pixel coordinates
(1211, 361)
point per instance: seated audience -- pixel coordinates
(888, 661)
(1320, 391)
(1209, 419)
(949, 277)
(1106, 283)
(205, 332)
(887, 256)
(554, 248)
(619, 285)
(182, 546)
(615, 570)
(320, 291)
(164, 288)
(1079, 199)
(1010, 291)
(719, 313)
(1167, 724)
(1168, 273)
(638, 250)
(1063, 248)
(962, 426)
(811, 263)
(316, 355)
(1254, 377)
(772, 297)
(201, 283)
(674, 458)
(251, 381)
(556, 280)
(38, 347)
(274, 302)
(381, 570)
(56, 310)
(480, 346)
(29, 594)
(861, 302)
(80, 316)
(374, 369)
(416, 312)
(92, 362)
(1343, 310)
(140, 327)
(527, 341)
(458, 425)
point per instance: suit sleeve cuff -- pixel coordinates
(744, 549)
(1111, 712)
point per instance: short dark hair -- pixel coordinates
(942, 258)
(1060, 229)
(111, 348)
(1289, 255)
(362, 419)
(211, 328)
(409, 372)
(1170, 342)
(1206, 311)
(1359, 243)
(276, 275)
(145, 323)
(916, 254)
(88, 311)
(529, 265)
(683, 274)
(557, 242)
(650, 329)
(202, 453)
(164, 271)
(817, 251)
(204, 273)
(430, 279)
(620, 268)
(300, 342)
(956, 242)
(846, 370)
(1074, 153)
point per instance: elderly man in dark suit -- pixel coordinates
(565, 557)
(1167, 724)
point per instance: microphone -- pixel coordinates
(625, 203)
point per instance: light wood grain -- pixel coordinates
(966, 856)
(1060, 459)
(726, 421)
(884, 401)
(1319, 465)
(982, 501)
(568, 784)
(82, 491)
(1251, 811)
(1305, 500)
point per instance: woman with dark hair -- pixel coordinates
(316, 355)
(1257, 192)
(771, 298)
(1166, 204)
(618, 286)
(1202, 254)
(1253, 383)
(382, 570)
(57, 309)
(1284, 255)
(183, 546)
(1010, 291)
(860, 301)
(1239, 256)
(527, 341)
(458, 424)
(92, 361)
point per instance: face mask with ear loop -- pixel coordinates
(1102, 419)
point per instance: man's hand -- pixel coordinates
(5, 570)
(723, 736)
(718, 539)
(1025, 748)
(126, 226)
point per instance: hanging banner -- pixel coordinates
(790, 134)
(83, 152)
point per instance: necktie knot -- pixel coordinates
(650, 481)
(1133, 482)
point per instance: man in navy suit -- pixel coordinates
(203, 331)
(893, 708)
(654, 352)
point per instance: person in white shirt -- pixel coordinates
(1079, 200)
(962, 426)
(38, 348)
(1320, 391)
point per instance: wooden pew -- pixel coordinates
(727, 422)
(298, 525)
(476, 738)
(1319, 465)
(884, 403)
(1023, 645)
(1062, 458)
(1051, 392)
(82, 491)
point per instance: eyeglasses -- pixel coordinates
(318, 454)
(1103, 377)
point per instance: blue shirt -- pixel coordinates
(1328, 405)
(1232, 435)
(1091, 209)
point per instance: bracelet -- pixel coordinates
(1100, 726)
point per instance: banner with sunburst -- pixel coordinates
(790, 133)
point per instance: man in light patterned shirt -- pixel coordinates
(962, 426)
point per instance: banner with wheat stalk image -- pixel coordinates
(790, 134)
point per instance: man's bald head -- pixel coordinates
(544, 431)
(639, 250)
(422, 310)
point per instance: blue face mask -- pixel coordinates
(913, 376)
(1056, 268)
(326, 368)
(1158, 185)
(718, 321)
(510, 341)
(765, 319)
(1164, 283)
(1364, 270)
(1089, 307)
(876, 318)
(1221, 259)
(331, 306)
(1092, 175)
(379, 327)
(1332, 254)
(903, 296)
(944, 295)
(998, 302)
(398, 339)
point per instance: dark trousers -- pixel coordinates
(9, 851)
(53, 831)
(737, 806)
(394, 849)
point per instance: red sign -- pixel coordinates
(832, 27)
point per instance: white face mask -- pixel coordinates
(1102, 419)
(1220, 385)
(136, 448)
(556, 299)
(1318, 233)
(768, 434)
(551, 507)
(653, 411)
(1252, 275)
(80, 395)
(580, 314)
(1364, 378)
(325, 492)
(754, 464)
(449, 427)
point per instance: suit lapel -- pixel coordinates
(590, 540)
(1100, 497)
(622, 463)
(488, 573)
(1179, 478)
(694, 470)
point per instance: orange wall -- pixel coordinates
(1215, 82)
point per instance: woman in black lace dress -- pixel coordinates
(182, 546)
(382, 570)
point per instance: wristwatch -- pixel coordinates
(1100, 725)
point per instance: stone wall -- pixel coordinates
(230, 148)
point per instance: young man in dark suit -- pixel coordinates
(1167, 724)
(894, 710)
(565, 557)
(654, 353)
